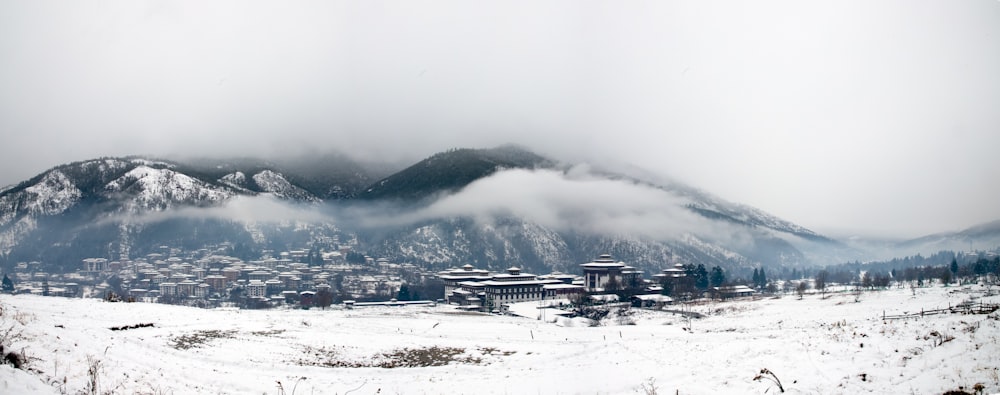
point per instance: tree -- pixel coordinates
(756, 277)
(800, 289)
(821, 279)
(701, 277)
(667, 288)
(946, 276)
(324, 297)
(8, 285)
(115, 284)
(579, 300)
(355, 257)
(954, 268)
(315, 257)
(404, 293)
(717, 277)
(762, 280)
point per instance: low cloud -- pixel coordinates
(572, 200)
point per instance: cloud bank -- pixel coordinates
(571, 201)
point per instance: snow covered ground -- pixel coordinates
(813, 345)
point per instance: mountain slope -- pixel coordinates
(103, 208)
(449, 171)
(982, 236)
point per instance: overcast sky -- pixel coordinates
(845, 116)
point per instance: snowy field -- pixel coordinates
(814, 345)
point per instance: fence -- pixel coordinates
(962, 308)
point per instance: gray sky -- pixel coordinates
(848, 116)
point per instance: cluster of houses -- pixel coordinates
(288, 279)
(178, 277)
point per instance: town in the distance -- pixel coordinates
(311, 277)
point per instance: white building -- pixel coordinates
(453, 278)
(511, 287)
(604, 271)
(256, 289)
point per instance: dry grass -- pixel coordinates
(199, 338)
(401, 357)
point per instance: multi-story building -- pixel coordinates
(604, 273)
(477, 289)
(511, 287)
(256, 289)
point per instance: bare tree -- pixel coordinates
(324, 297)
(821, 279)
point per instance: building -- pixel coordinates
(511, 287)
(605, 274)
(562, 291)
(672, 274)
(256, 289)
(453, 278)
(475, 289)
(186, 288)
(168, 289)
(733, 291)
(651, 300)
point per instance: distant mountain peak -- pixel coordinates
(451, 170)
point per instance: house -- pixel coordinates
(307, 298)
(653, 300)
(732, 291)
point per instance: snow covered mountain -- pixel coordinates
(111, 206)
(82, 208)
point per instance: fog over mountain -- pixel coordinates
(850, 116)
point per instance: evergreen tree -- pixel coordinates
(756, 278)
(317, 258)
(8, 285)
(404, 293)
(717, 277)
(701, 277)
(355, 257)
(667, 288)
(954, 268)
(762, 279)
